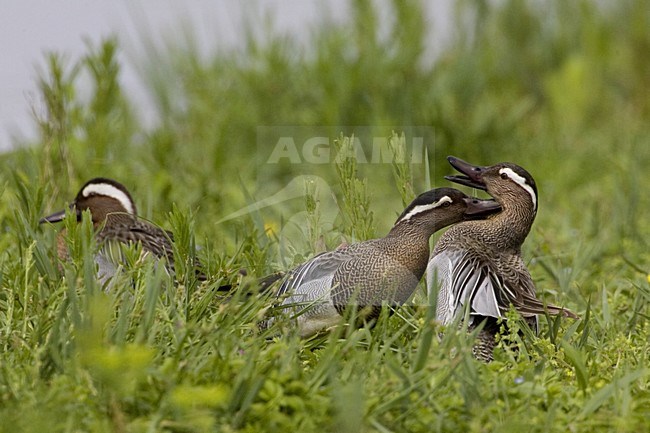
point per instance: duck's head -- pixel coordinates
(102, 197)
(441, 207)
(505, 181)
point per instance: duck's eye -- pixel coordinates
(446, 204)
(504, 176)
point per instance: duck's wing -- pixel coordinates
(517, 283)
(313, 279)
(462, 281)
(466, 281)
(438, 280)
(154, 240)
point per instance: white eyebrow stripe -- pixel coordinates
(521, 181)
(425, 207)
(111, 191)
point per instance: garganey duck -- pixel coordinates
(114, 217)
(477, 264)
(368, 274)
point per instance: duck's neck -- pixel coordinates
(118, 218)
(509, 228)
(409, 240)
(418, 232)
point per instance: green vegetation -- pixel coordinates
(561, 88)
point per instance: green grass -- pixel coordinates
(559, 88)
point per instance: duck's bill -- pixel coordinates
(477, 207)
(471, 174)
(54, 218)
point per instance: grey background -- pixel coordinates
(31, 28)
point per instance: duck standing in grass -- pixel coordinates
(477, 265)
(114, 219)
(371, 273)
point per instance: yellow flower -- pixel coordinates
(648, 278)
(270, 228)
